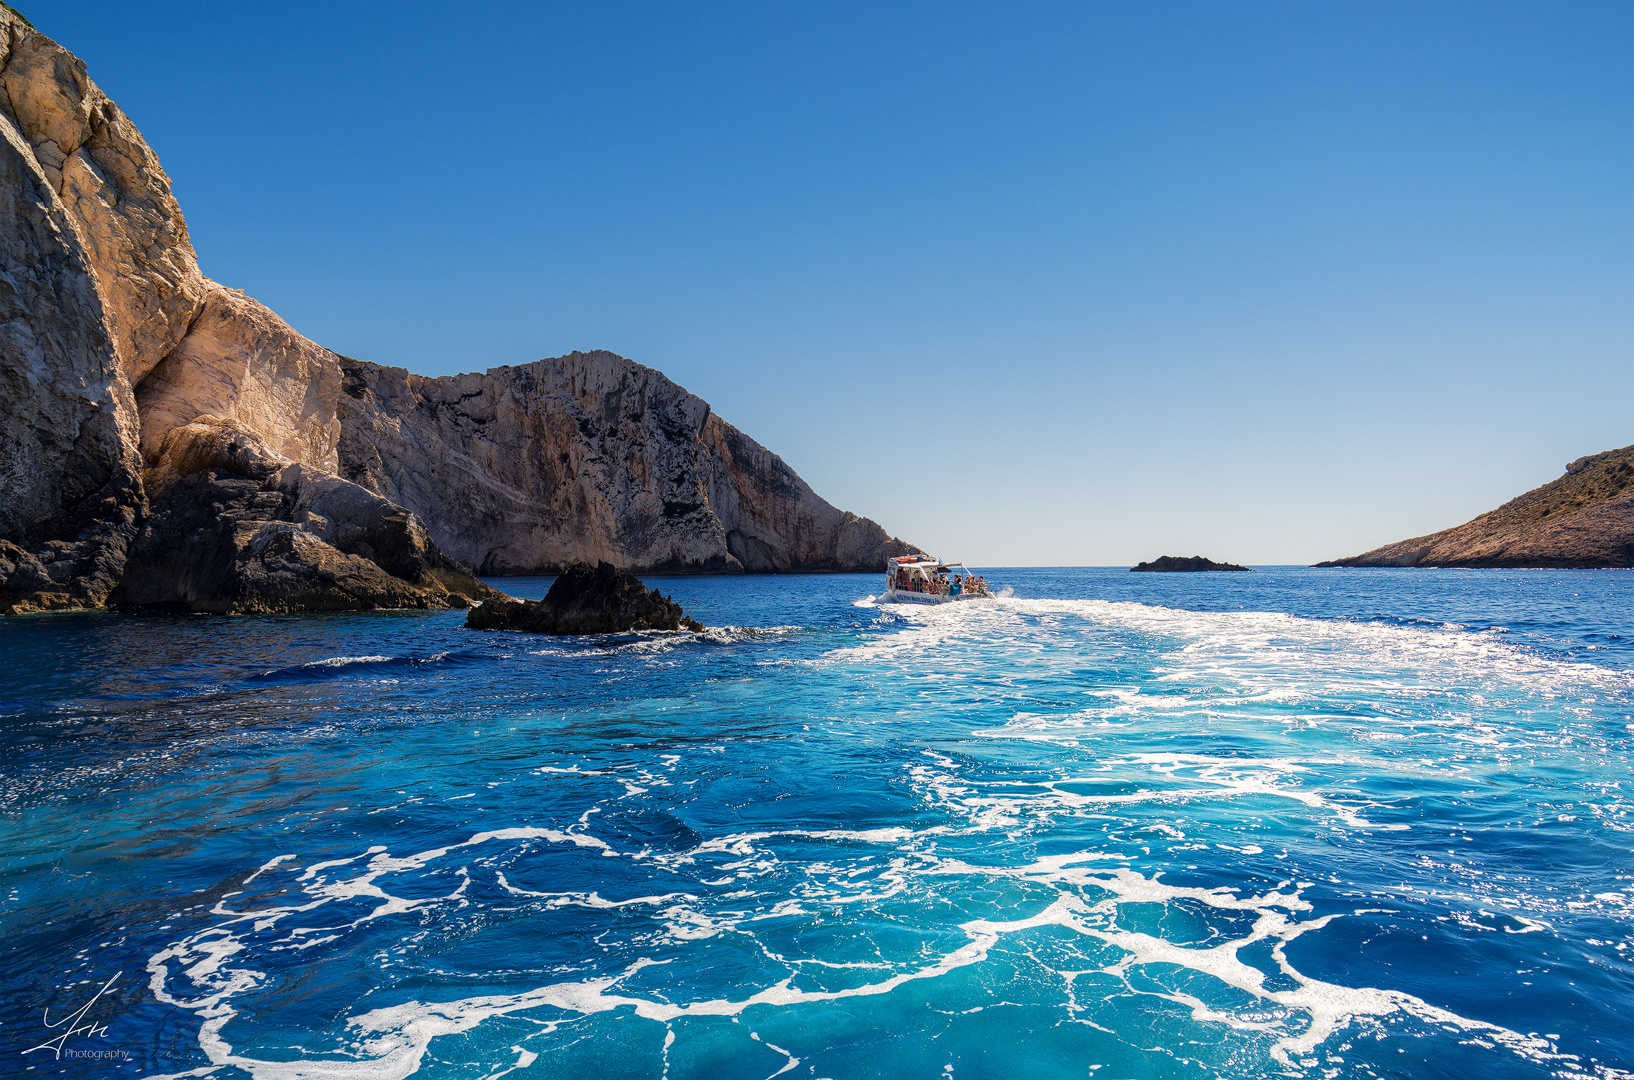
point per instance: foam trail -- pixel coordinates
(391, 1043)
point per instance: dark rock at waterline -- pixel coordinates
(586, 600)
(1195, 564)
(231, 528)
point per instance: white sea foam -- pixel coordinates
(339, 662)
(209, 972)
(652, 643)
(1274, 653)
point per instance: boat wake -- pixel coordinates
(1102, 933)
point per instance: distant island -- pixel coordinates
(1583, 520)
(1170, 564)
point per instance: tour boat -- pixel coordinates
(921, 579)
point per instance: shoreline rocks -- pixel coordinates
(586, 600)
(1171, 564)
(238, 529)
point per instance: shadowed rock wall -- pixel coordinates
(70, 486)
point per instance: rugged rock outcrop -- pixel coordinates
(583, 458)
(235, 527)
(1584, 519)
(1183, 565)
(171, 441)
(586, 600)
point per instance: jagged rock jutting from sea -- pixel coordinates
(170, 441)
(1584, 520)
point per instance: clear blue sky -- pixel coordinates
(1026, 283)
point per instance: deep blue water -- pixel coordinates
(1295, 822)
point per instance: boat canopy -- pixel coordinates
(926, 562)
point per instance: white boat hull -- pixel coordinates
(896, 596)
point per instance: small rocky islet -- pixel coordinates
(585, 599)
(1195, 564)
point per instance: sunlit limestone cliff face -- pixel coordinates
(1584, 520)
(169, 441)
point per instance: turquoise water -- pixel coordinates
(1289, 823)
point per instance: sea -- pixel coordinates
(1288, 823)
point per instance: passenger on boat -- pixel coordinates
(957, 587)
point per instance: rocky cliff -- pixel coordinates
(588, 458)
(1585, 519)
(167, 440)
